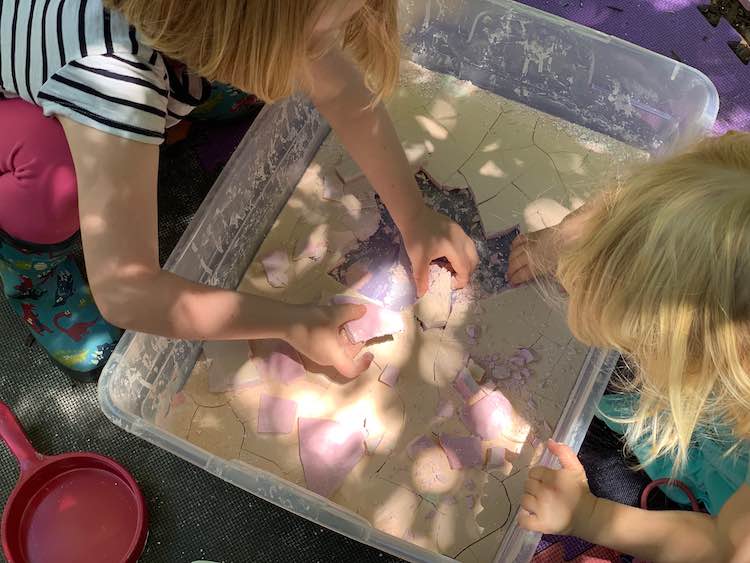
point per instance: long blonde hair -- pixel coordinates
(662, 273)
(261, 46)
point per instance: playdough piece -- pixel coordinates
(333, 188)
(495, 457)
(276, 415)
(434, 307)
(488, 417)
(278, 360)
(465, 384)
(348, 171)
(276, 266)
(445, 408)
(230, 366)
(389, 375)
(462, 451)
(476, 371)
(328, 451)
(376, 322)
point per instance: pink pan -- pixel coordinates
(69, 508)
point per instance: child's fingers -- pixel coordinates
(530, 503)
(541, 474)
(462, 266)
(529, 521)
(533, 487)
(568, 458)
(348, 366)
(421, 268)
(518, 241)
(349, 312)
(520, 276)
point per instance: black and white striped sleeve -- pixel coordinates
(119, 94)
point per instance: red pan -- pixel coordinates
(70, 508)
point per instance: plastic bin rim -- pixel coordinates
(707, 119)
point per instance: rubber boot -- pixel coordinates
(45, 288)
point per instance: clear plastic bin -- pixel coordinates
(559, 67)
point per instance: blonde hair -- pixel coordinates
(662, 274)
(262, 46)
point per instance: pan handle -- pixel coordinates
(13, 435)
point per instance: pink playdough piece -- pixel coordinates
(276, 266)
(419, 444)
(465, 385)
(328, 451)
(445, 408)
(389, 375)
(178, 399)
(333, 188)
(377, 321)
(462, 451)
(276, 415)
(495, 457)
(488, 417)
(281, 361)
(434, 307)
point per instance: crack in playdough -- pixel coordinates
(421, 499)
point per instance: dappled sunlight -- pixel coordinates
(435, 453)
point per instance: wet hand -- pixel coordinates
(430, 235)
(556, 501)
(317, 333)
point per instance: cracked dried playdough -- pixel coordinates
(432, 443)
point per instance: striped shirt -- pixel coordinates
(77, 59)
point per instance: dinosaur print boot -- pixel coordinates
(45, 288)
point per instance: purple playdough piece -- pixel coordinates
(488, 417)
(462, 451)
(328, 451)
(465, 385)
(276, 415)
(526, 355)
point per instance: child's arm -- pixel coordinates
(118, 211)
(338, 91)
(559, 501)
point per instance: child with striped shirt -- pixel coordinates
(89, 90)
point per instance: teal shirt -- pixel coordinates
(712, 475)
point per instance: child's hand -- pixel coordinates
(431, 235)
(534, 255)
(317, 334)
(557, 500)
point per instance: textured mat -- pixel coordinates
(674, 28)
(193, 514)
